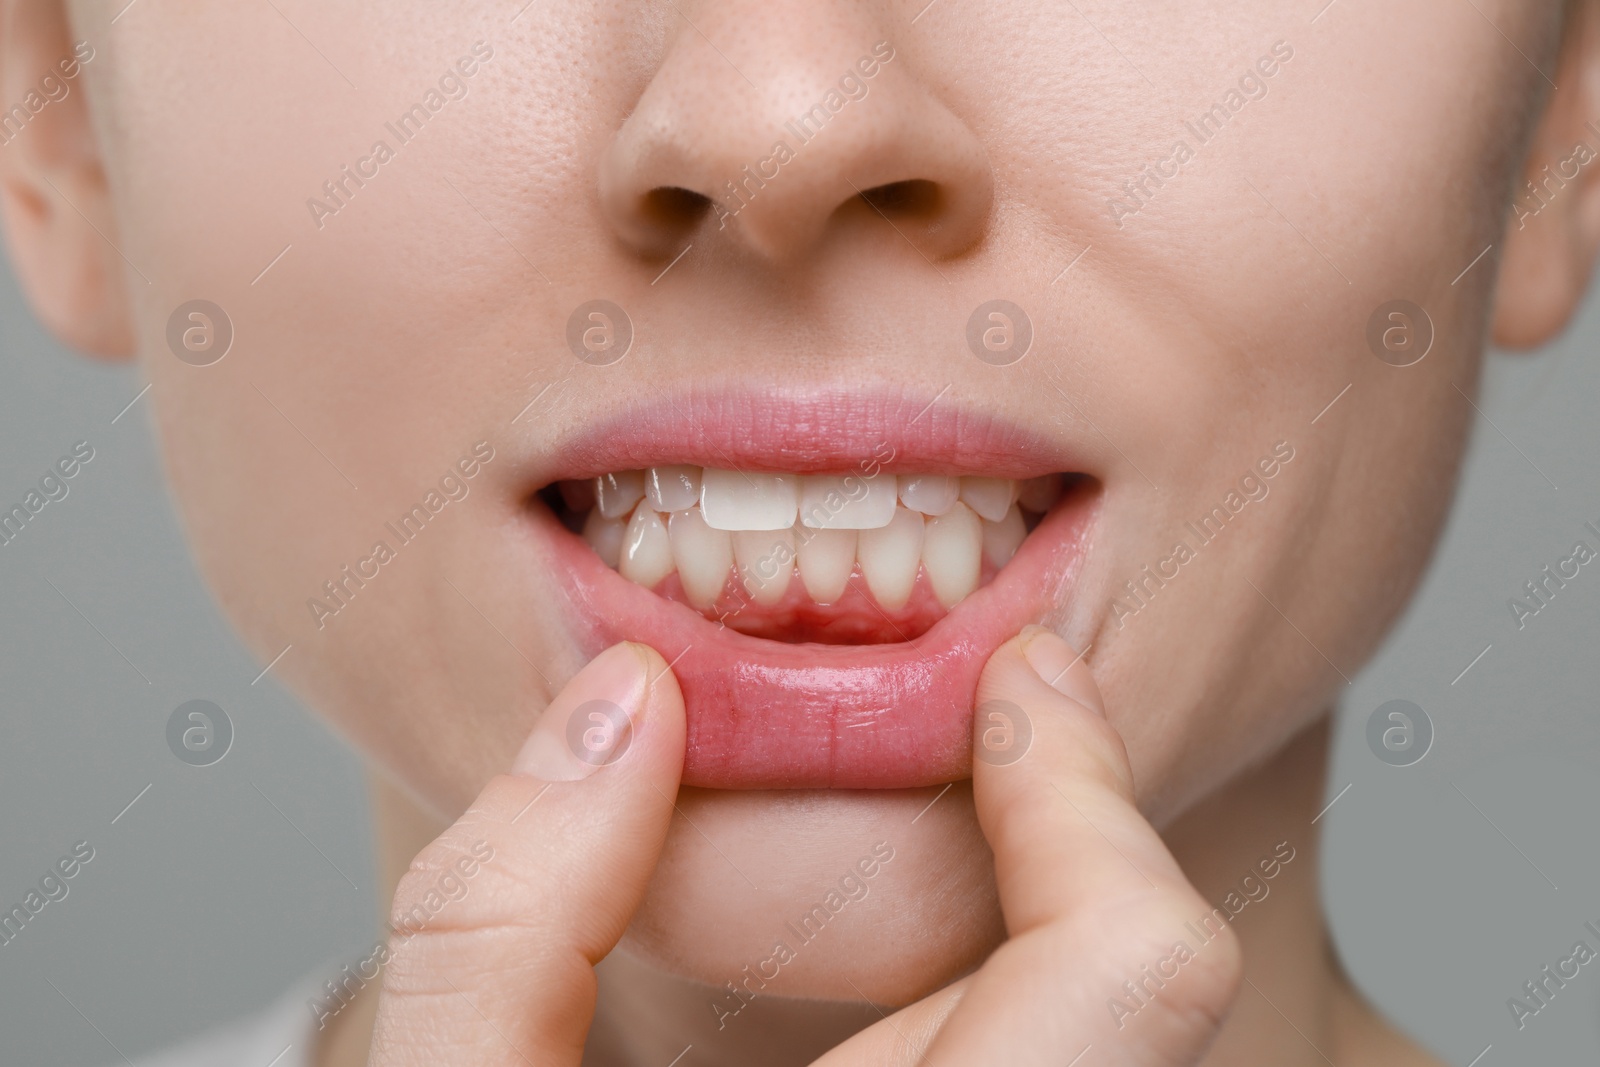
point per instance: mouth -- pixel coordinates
(827, 575)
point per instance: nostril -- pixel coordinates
(914, 198)
(670, 207)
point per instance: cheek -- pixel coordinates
(1249, 348)
(1250, 650)
(930, 914)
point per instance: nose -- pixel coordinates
(774, 125)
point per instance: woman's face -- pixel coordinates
(1193, 212)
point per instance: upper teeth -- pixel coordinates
(731, 500)
(703, 523)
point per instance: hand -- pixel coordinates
(1091, 896)
(561, 850)
(1092, 900)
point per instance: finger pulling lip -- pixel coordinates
(765, 714)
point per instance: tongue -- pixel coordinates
(856, 618)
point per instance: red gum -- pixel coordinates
(855, 618)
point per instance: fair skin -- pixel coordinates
(1175, 347)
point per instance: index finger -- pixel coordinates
(502, 971)
(1092, 898)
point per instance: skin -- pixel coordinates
(1219, 320)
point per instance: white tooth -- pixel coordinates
(672, 488)
(931, 494)
(951, 552)
(605, 537)
(766, 562)
(826, 559)
(618, 493)
(1039, 495)
(889, 558)
(846, 501)
(732, 500)
(703, 555)
(1000, 539)
(991, 498)
(646, 550)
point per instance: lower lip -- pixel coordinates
(768, 715)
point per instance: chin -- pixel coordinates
(879, 895)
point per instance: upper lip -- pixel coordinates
(808, 432)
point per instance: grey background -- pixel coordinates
(202, 901)
(1449, 883)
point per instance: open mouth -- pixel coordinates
(826, 573)
(859, 558)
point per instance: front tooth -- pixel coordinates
(989, 497)
(605, 537)
(951, 552)
(766, 562)
(646, 549)
(931, 494)
(826, 559)
(1000, 539)
(733, 500)
(619, 492)
(703, 556)
(1039, 495)
(889, 558)
(847, 501)
(674, 488)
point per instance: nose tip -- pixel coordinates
(837, 138)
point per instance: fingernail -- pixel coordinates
(1061, 668)
(590, 723)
